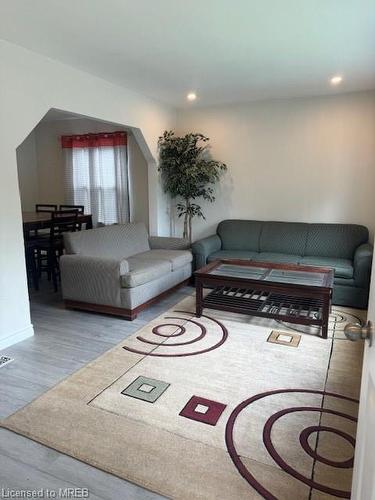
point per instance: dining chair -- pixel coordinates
(50, 250)
(31, 248)
(79, 208)
(45, 207)
(42, 208)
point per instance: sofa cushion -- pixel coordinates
(116, 241)
(335, 240)
(231, 254)
(143, 271)
(279, 258)
(283, 237)
(177, 258)
(240, 234)
(343, 267)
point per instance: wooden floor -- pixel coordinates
(64, 341)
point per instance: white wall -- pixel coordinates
(30, 86)
(28, 172)
(293, 160)
(40, 160)
(50, 166)
(138, 180)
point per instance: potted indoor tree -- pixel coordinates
(188, 173)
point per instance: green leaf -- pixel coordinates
(187, 170)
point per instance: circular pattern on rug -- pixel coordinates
(181, 330)
(303, 439)
(336, 317)
(340, 317)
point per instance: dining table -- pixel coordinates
(33, 221)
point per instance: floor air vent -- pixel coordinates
(5, 360)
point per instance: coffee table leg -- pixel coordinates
(198, 298)
(325, 319)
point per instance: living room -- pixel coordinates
(285, 95)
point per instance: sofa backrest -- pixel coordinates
(335, 240)
(240, 234)
(116, 241)
(297, 238)
(283, 237)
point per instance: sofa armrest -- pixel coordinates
(95, 280)
(362, 264)
(205, 247)
(168, 243)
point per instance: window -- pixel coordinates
(97, 175)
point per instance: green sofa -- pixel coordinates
(343, 247)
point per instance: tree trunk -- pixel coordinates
(190, 229)
(185, 232)
(186, 220)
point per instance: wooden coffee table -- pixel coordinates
(286, 292)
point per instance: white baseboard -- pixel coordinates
(17, 336)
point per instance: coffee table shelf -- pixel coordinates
(290, 293)
(265, 304)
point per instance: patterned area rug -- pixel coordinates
(221, 406)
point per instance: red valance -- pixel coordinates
(94, 140)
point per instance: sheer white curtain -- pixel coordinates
(97, 175)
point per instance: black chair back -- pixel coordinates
(79, 208)
(45, 207)
(63, 221)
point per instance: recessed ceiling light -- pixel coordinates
(191, 96)
(336, 80)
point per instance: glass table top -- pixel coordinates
(310, 278)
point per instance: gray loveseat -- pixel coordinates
(119, 269)
(343, 247)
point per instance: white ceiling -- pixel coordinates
(225, 50)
